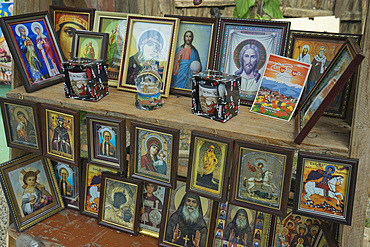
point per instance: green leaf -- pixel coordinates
(266, 17)
(242, 8)
(272, 8)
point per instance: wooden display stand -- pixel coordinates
(329, 136)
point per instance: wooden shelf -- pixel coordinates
(330, 135)
(70, 228)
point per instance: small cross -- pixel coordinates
(238, 238)
(186, 239)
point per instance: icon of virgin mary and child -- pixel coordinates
(153, 160)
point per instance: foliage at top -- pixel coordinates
(271, 9)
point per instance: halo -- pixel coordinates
(27, 169)
(19, 26)
(109, 129)
(19, 109)
(38, 25)
(249, 213)
(301, 225)
(148, 30)
(152, 136)
(180, 193)
(260, 46)
(60, 166)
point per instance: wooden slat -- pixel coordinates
(228, 12)
(359, 148)
(328, 136)
(206, 3)
(164, 7)
(106, 5)
(138, 6)
(122, 6)
(151, 8)
(302, 12)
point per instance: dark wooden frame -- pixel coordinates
(76, 186)
(136, 216)
(84, 11)
(11, 197)
(226, 169)
(340, 111)
(224, 21)
(351, 164)
(198, 21)
(212, 219)
(83, 33)
(36, 118)
(174, 152)
(11, 40)
(167, 73)
(84, 187)
(285, 183)
(120, 124)
(98, 19)
(75, 133)
(357, 57)
(325, 232)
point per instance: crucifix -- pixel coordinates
(186, 240)
(238, 238)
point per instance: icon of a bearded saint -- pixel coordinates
(238, 230)
(186, 227)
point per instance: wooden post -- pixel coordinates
(360, 146)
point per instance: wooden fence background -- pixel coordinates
(351, 12)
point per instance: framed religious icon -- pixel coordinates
(66, 20)
(151, 210)
(243, 48)
(294, 229)
(21, 124)
(239, 226)
(35, 49)
(106, 141)
(325, 237)
(149, 45)
(319, 49)
(114, 24)
(262, 177)
(61, 132)
(327, 88)
(68, 180)
(31, 190)
(325, 187)
(195, 47)
(188, 219)
(91, 187)
(120, 203)
(209, 165)
(87, 44)
(154, 153)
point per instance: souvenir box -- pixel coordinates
(216, 95)
(85, 79)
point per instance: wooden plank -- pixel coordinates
(164, 7)
(360, 146)
(151, 8)
(138, 6)
(228, 12)
(329, 136)
(206, 3)
(301, 12)
(70, 228)
(122, 6)
(106, 5)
